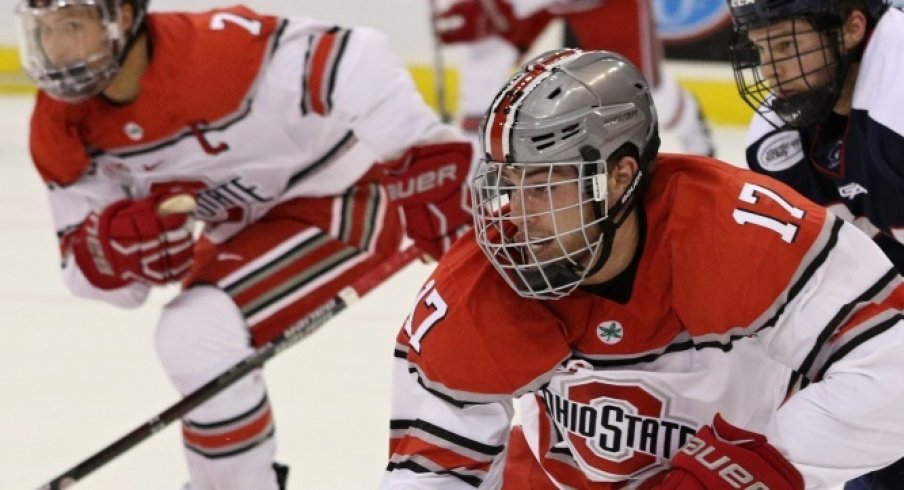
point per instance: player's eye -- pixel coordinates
(535, 190)
(782, 45)
(72, 27)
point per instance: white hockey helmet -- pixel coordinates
(540, 203)
(72, 49)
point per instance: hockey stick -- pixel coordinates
(304, 327)
(439, 68)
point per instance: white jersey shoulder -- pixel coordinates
(881, 71)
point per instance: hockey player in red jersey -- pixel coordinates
(274, 126)
(663, 321)
(497, 32)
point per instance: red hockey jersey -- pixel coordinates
(741, 284)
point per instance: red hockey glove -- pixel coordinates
(470, 20)
(428, 184)
(725, 457)
(134, 240)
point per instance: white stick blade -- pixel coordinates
(180, 203)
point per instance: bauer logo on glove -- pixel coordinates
(422, 183)
(724, 457)
(147, 240)
(428, 185)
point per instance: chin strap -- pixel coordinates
(618, 213)
(131, 39)
(136, 30)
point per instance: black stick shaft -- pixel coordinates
(303, 328)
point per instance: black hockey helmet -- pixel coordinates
(817, 70)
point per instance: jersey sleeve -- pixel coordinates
(841, 326)
(823, 300)
(74, 190)
(375, 94)
(458, 365)
(438, 442)
(55, 144)
(69, 205)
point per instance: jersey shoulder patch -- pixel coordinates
(773, 150)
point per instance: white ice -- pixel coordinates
(76, 375)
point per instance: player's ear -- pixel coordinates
(854, 29)
(621, 176)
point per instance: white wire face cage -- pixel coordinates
(70, 48)
(539, 224)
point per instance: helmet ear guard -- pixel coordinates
(565, 108)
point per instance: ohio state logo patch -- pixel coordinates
(616, 431)
(610, 332)
(133, 131)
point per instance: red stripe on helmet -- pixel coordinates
(504, 105)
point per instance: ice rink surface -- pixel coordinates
(76, 375)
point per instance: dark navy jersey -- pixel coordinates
(852, 165)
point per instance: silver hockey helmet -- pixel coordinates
(540, 195)
(789, 56)
(72, 49)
